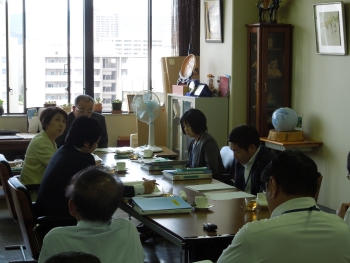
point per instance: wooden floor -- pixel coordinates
(160, 251)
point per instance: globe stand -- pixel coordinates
(151, 145)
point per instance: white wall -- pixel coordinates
(230, 57)
(320, 91)
(320, 85)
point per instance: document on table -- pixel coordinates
(156, 192)
(227, 195)
(106, 150)
(208, 187)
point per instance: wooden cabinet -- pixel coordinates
(269, 72)
(214, 109)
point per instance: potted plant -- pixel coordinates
(67, 107)
(117, 105)
(1, 107)
(49, 104)
(98, 105)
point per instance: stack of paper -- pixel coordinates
(161, 205)
(188, 173)
(165, 164)
(208, 187)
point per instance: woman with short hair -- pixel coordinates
(43, 145)
(203, 150)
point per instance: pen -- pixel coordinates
(148, 180)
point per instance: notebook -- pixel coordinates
(161, 205)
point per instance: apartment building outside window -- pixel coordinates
(50, 62)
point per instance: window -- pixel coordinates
(46, 55)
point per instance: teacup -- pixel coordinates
(201, 201)
(120, 166)
(147, 153)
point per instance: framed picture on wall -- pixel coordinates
(213, 21)
(330, 28)
(130, 98)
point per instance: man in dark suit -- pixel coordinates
(83, 105)
(250, 158)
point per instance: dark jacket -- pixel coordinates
(263, 157)
(101, 120)
(206, 153)
(65, 163)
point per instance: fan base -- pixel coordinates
(154, 149)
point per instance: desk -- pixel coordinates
(166, 153)
(12, 148)
(182, 229)
(305, 145)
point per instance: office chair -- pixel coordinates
(5, 174)
(227, 160)
(33, 229)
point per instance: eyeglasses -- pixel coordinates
(83, 111)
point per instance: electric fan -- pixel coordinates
(145, 105)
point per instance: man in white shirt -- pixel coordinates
(94, 197)
(297, 230)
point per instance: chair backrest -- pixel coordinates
(227, 159)
(5, 174)
(27, 221)
(319, 182)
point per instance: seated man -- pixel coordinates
(250, 158)
(343, 211)
(94, 196)
(75, 155)
(83, 106)
(297, 230)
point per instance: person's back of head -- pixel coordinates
(244, 136)
(196, 119)
(72, 257)
(83, 97)
(82, 130)
(95, 193)
(295, 172)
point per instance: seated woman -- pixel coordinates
(203, 150)
(82, 140)
(43, 146)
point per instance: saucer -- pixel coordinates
(121, 171)
(261, 203)
(203, 208)
(147, 157)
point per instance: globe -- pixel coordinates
(284, 119)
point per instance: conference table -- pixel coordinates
(184, 229)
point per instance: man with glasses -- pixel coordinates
(343, 211)
(83, 105)
(297, 230)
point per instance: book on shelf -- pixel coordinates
(190, 176)
(161, 205)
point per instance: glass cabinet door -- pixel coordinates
(269, 73)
